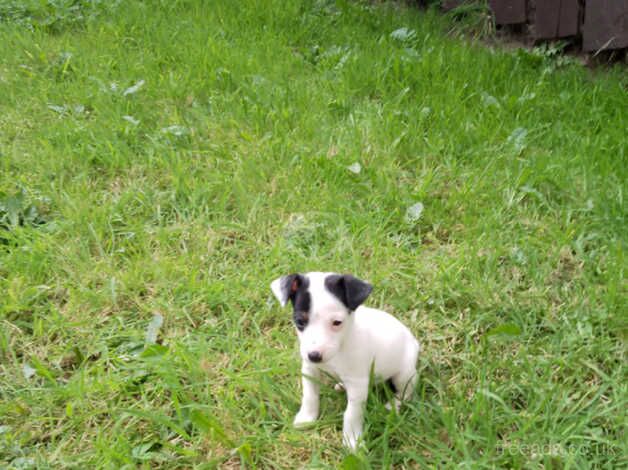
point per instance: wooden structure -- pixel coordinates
(602, 24)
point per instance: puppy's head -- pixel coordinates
(323, 304)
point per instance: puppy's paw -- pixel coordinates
(304, 418)
(395, 402)
(353, 442)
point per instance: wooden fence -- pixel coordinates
(601, 24)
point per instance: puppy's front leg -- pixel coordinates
(309, 405)
(357, 391)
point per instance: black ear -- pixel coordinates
(349, 289)
(286, 287)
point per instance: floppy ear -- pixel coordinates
(349, 289)
(283, 287)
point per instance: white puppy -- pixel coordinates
(339, 336)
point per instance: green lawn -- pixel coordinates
(171, 158)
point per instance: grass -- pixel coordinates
(168, 159)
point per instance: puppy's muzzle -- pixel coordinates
(315, 356)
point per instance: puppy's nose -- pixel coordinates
(315, 356)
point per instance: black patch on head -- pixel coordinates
(350, 290)
(300, 298)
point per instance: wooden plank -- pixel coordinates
(569, 18)
(508, 11)
(556, 18)
(605, 25)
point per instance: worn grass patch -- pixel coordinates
(161, 162)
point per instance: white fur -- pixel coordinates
(282, 296)
(367, 339)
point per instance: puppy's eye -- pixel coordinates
(337, 323)
(300, 321)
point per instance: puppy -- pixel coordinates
(339, 336)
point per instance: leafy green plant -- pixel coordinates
(54, 15)
(552, 55)
(17, 210)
